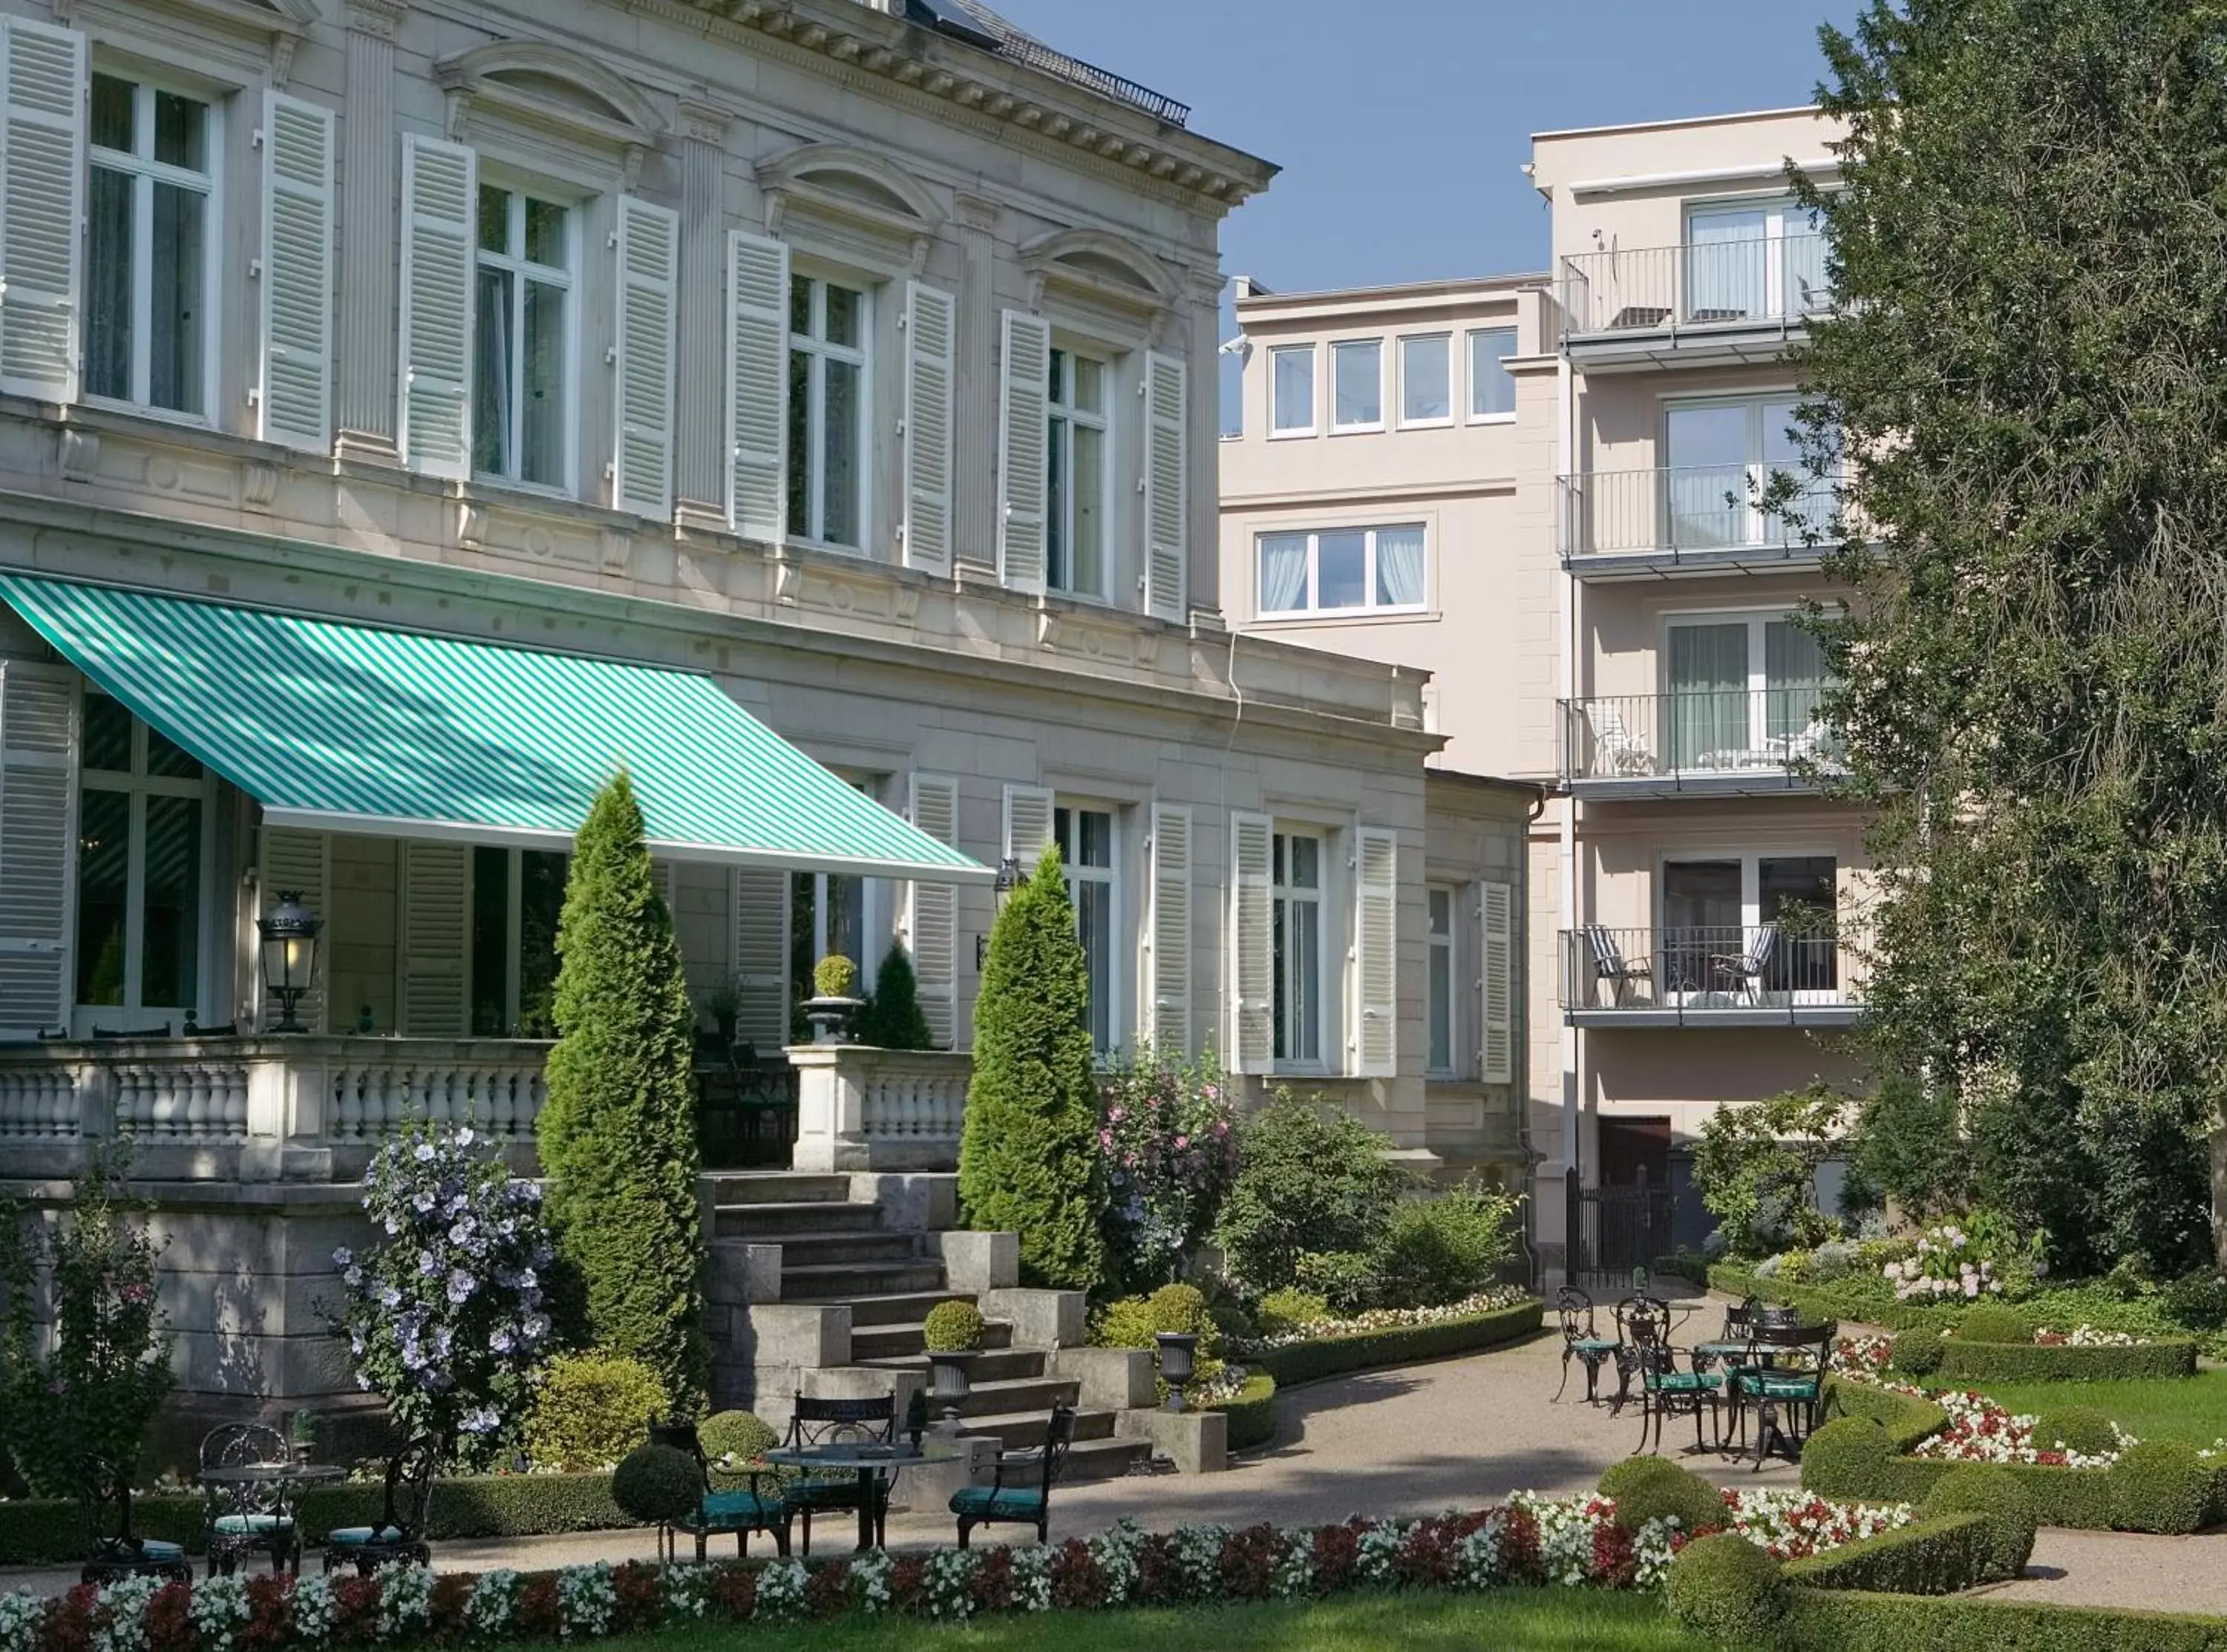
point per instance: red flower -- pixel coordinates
(1249, 1562)
(269, 1611)
(828, 1590)
(909, 1584)
(539, 1614)
(450, 1591)
(641, 1600)
(734, 1591)
(1076, 1581)
(993, 1581)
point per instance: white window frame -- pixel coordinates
(145, 173)
(1751, 868)
(1314, 610)
(1337, 352)
(1314, 356)
(1755, 404)
(522, 271)
(1109, 876)
(875, 917)
(513, 942)
(1784, 218)
(138, 786)
(1476, 333)
(1291, 976)
(1058, 411)
(1406, 341)
(819, 353)
(1446, 944)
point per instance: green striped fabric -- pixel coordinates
(349, 728)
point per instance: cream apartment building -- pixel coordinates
(410, 410)
(1541, 488)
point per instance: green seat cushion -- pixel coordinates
(991, 1502)
(724, 1510)
(1771, 1387)
(353, 1537)
(154, 1551)
(1592, 1344)
(1682, 1382)
(252, 1524)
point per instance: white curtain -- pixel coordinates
(1283, 572)
(1725, 259)
(1400, 567)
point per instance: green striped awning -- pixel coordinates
(349, 728)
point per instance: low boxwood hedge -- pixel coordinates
(1252, 1413)
(1821, 1621)
(1936, 1555)
(1976, 1361)
(1399, 1345)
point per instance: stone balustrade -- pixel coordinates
(859, 1108)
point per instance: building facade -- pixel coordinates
(837, 356)
(1547, 490)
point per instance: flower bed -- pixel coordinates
(1393, 1337)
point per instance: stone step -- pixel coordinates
(1021, 1429)
(893, 1308)
(847, 1281)
(735, 1188)
(1100, 1459)
(1016, 1396)
(772, 1223)
(991, 1365)
(905, 1343)
(826, 1250)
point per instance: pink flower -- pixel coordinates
(1182, 1141)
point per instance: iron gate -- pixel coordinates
(1613, 1230)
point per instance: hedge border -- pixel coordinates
(1975, 1361)
(1814, 1303)
(1252, 1413)
(1852, 1621)
(1940, 1555)
(1361, 1350)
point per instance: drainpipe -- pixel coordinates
(1572, 1109)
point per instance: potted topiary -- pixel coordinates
(953, 1334)
(834, 1000)
(302, 1429)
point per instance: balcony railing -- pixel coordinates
(1778, 278)
(1679, 511)
(1726, 970)
(859, 1108)
(1700, 735)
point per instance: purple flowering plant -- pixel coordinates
(1166, 1137)
(445, 1313)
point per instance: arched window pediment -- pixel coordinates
(1106, 266)
(552, 87)
(858, 187)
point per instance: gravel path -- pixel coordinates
(2167, 1575)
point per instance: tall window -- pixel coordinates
(826, 411)
(1744, 691)
(1086, 845)
(1342, 570)
(148, 246)
(1442, 901)
(1491, 387)
(521, 408)
(142, 829)
(1734, 925)
(1427, 367)
(1291, 389)
(1075, 497)
(828, 913)
(1722, 455)
(517, 896)
(1358, 374)
(1754, 261)
(1298, 943)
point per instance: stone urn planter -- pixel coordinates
(831, 1018)
(952, 1334)
(1179, 1360)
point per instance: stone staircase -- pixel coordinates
(839, 1252)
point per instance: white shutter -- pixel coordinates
(440, 195)
(1025, 364)
(41, 208)
(1028, 824)
(299, 862)
(931, 327)
(1496, 984)
(1169, 1023)
(294, 404)
(437, 903)
(1252, 943)
(38, 844)
(1167, 490)
(759, 900)
(757, 387)
(648, 268)
(1375, 1047)
(932, 913)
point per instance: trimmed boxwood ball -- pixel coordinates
(1990, 1322)
(952, 1327)
(2159, 1486)
(1653, 1487)
(2076, 1428)
(736, 1435)
(1990, 1490)
(1845, 1456)
(657, 1485)
(1915, 1353)
(1728, 1589)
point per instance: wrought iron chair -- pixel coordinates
(1010, 1498)
(245, 1515)
(840, 1422)
(757, 1508)
(400, 1536)
(1609, 963)
(1581, 1340)
(111, 1551)
(1793, 1394)
(1664, 1390)
(1642, 1322)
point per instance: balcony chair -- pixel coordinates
(1617, 752)
(1743, 972)
(1020, 1494)
(757, 1508)
(1609, 963)
(400, 1537)
(244, 1517)
(111, 1552)
(839, 1422)
(1581, 1340)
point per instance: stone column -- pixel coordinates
(700, 485)
(1200, 345)
(830, 1108)
(369, 253)
(974, 484)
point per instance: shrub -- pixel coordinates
(1252, 1413)
(2076, 1428)
(1126, 1322)
(1989, 1323)
(892, 1017)
(1728, 1590)
(1443, 1250)
(1975, 1361)
(2159, 1486)
(1934, 1554)
(657, 1485)
(1756, 1166)
(1848, 1458)
(1167, 1136)
(1653, 1487)
(1308, 1179)
(1989, 1489)
(1181, 1310)
(1028, 1158)
(1916, 1352)
(834, 977)
(1345, 1279)
(1907, 1143)
(952, 1327)
(618, 1131)
(1288, 1310)
(1834, 1259)
(730, 1438)
(590, 1411)
(1361, 1350)
(2199, 1300)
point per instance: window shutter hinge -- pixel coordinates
(611, 239)
(611, 356)
(255, 268)
(256, 142)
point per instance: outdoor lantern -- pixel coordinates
(1009, 879)
(290, 955)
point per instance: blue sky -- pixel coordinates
(1400, 123)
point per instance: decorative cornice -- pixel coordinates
(380, 19)
(702, 121)
(1142, 283)
(277, 27)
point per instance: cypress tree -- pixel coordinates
(892, 1018)
(1027, 1161)
(618, 1131)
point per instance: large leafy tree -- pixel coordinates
(2029, 369)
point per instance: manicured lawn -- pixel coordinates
(1512, 1620)
(2189, 1408)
